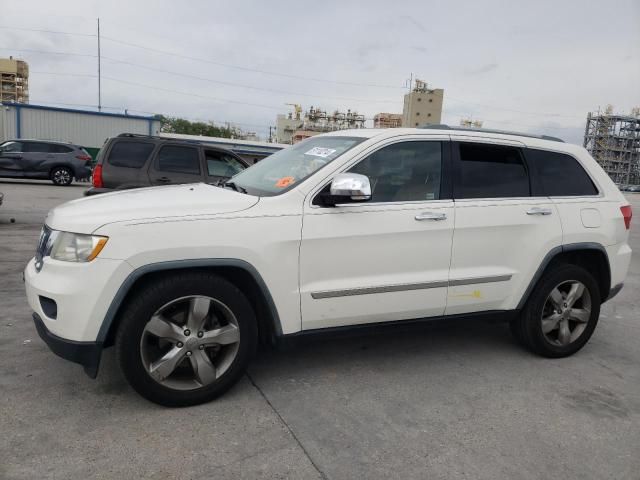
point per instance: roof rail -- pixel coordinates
(442, 126)
(139, 135)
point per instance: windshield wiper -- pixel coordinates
(235, 187)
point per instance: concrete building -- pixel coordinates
(83, 127)
(422, 105)
(14, 80)
(387, 120)
(286, 126)
(614, 141)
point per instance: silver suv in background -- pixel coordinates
(43, 159)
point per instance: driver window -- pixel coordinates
(404, 172)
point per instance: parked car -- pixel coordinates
(133, 161)
(350, 229)
(633, 188)
(43, 159)
(1, 198)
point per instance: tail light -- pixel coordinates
(626, 214)
(97, 176)
(84, 158)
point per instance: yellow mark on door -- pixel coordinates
(474, 294)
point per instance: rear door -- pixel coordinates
(11, 159)
(502, 232)
(174, 164)
(221, 165)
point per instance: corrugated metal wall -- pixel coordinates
(7, 123)
(86, 129)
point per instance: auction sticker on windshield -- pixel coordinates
(321, 152)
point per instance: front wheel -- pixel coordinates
(561, 313)
(61, 176)
(186, 339)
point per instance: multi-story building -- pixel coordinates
(422, 105)
(387, 120)
(14, 80)
(295, 127)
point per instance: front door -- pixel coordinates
(385, 259)
(176, 164)
(502, 232)
(11, 161)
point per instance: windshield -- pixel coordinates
(286, 168)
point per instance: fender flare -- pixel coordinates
(551, 255)
(138, 273)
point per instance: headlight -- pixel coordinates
(76, 247)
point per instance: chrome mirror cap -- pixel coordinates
(352, 185)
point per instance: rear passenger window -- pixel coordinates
(490, 171)
(37, 147)
(179, 159)
(560, 174)
(130, 154)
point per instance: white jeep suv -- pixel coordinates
(350, 228)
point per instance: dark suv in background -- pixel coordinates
(43, 159)
(132, 161)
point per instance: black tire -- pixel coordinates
(528, 327)
(152, 296)
(61, 176)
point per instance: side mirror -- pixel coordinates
(348, 188)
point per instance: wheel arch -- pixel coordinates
(239, 272)
(589, 255)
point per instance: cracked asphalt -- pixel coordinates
(455, 400)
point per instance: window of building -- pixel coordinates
(130, 154)
(404, 172)
(490, 171)
(431, 100)
(428, 114)
(173, 158)
(419, 99)
(561, 174)
(417, 114)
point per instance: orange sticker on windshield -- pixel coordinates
(285, 182)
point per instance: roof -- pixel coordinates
(32, 106)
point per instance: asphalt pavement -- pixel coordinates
(456, 400)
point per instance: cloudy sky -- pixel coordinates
(530, 66)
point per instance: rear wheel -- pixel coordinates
(186, 339)
(561, 313)
(61, 176)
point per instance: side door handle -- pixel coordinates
(430, 216)
(539, 211)
(163, 180)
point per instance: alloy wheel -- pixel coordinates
(566, 313)
(190, 342)
(61, 177)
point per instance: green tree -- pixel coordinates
(208, 129)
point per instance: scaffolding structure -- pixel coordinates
(14, 80)
(614, 141)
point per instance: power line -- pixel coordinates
(48, 31)
(189, 94)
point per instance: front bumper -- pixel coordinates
(86, 354)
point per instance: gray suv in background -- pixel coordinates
(43, 159)
(133, 161)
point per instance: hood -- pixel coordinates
(87, 214)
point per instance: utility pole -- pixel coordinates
(99, 73)
(270, 136)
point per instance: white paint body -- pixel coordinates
(300, 249)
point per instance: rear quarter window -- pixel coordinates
(130, 154)
(561, 175)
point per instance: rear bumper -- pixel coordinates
(86, 354)
(82, 172)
